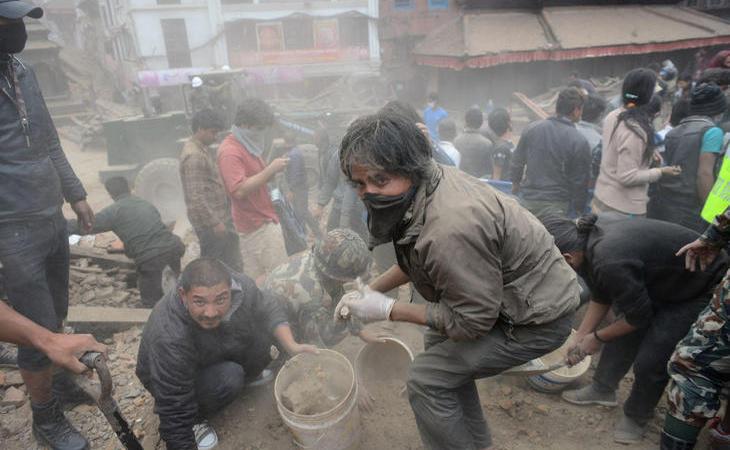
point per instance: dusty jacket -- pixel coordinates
(478, 257)
(174, 348)
(35, 176)
(623, 181)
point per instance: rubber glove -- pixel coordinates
(365, 304)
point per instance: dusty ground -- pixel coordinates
(520, 418)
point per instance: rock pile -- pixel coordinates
(134, 401)
(90, 285)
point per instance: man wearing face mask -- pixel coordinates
(694, 145)
(245, 177)
(35, 179)
(498, 291)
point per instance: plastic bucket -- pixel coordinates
(559, 379)
(380, 364)
(322, 416)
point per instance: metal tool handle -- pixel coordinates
(89, 359)
(96, 361)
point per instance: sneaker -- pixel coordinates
(628, 431)
(264, 378)
(52, 429)
(589, 395)
(719, 440)
(8, 355)
(205, 436)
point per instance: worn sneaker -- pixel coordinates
(589, 395)
(205, 436)
(52, 429)
(8, 355)
(628, 431)
(264, 378)
(719, 440)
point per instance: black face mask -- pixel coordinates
(385, 213)
(13, 37)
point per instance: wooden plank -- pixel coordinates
(531, 106)
(105, 260)
(107, 315)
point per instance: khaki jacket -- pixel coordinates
(478, 256)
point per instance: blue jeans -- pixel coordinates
(35, 259)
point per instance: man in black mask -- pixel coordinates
(35, 179)
(498, 292)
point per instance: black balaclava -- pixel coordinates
(385, 212)
(13, 37)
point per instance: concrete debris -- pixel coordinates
(13, 397)
(12, 378)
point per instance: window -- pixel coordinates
(175, 34)
(298, 34)
(353, 31)
(438, 4)
(168, 2)
(241, 36)
(403, 5)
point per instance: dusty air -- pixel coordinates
(364, 225)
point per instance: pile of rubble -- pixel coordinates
(134, 401)
(90, 285)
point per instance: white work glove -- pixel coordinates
(364, 304)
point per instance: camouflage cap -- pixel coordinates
(342, 255)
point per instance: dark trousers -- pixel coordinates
(217, 386)
(441, 386)
(648, 349)
(35, 259)
(149, 275)
(674, 211)
(223, 248)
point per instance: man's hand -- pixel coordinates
(219, 230)
(588, 345)
(372, 337)
(66, 349)
(698, 251)
(365, 304)
(278, 165)
(85, 216)
(317, 212)
(302, 348)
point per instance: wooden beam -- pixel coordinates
(531, 106)
(103, 259)
(107, 315)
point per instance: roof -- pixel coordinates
(488, 38)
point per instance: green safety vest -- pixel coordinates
(719, 198)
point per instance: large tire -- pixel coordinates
(159, 183)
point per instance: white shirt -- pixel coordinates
(451, 152)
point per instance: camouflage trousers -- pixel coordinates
(700, 366)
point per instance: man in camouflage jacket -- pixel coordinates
(700, 365)
(311, 283)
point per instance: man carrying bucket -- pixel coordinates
(499, 292)
(202, 344)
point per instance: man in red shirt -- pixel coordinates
(245, 175)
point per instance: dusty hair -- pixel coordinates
(386, 141)
(204, 272)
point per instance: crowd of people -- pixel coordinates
(614, 198)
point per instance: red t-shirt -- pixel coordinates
(236, 165)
